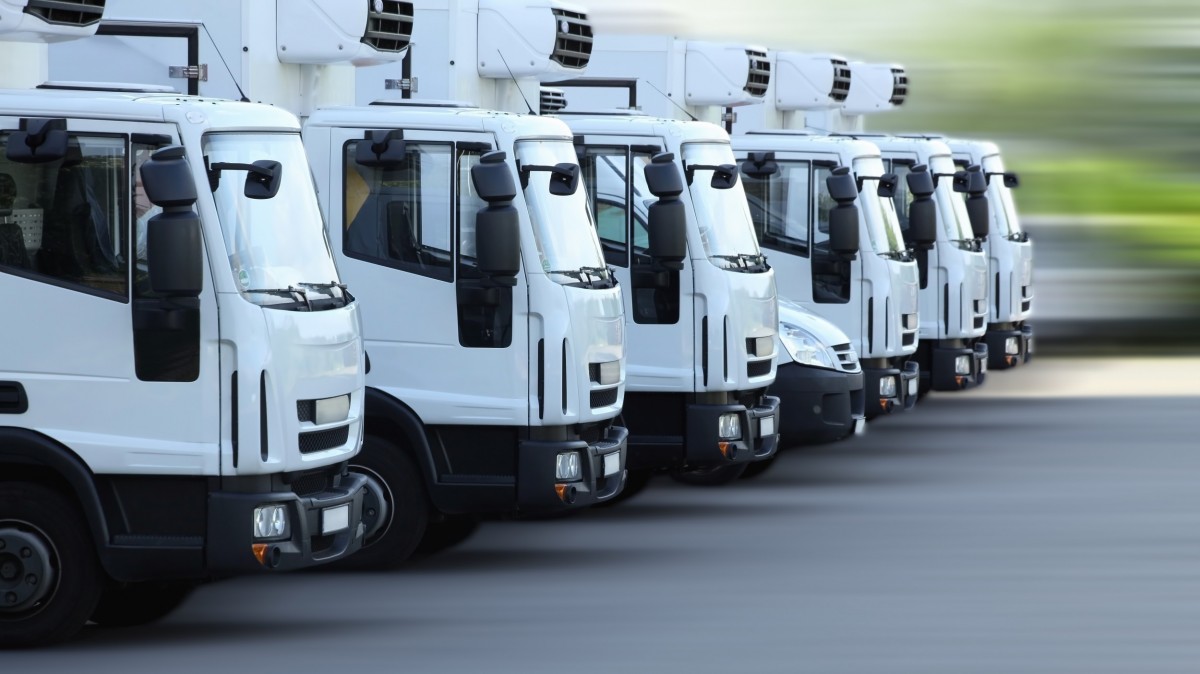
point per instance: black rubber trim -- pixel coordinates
(946, 308)
(541, 378)
(564, 376)
(263, 448)
(704, 348)
(871, 325)
(233, 416)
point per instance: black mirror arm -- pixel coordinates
(689, 170)
(525, 170)
(214, 171)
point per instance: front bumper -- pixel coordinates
(759, 440)
(997, 341)
(942, 373)
(602, 472)
(906, 389)
(231, 545)
(822, 405)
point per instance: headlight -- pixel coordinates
(804, 348)
(271, 521)
(1012, 346)
(567, 466)
(729, 427)
(887, 387)
(962, 365)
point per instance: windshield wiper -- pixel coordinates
(299, 295)
(745, 261)
(588, 275)
(328, 289)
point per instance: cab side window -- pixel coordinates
(604, 173)
(401, 216)
(779, 206)
(66, 221)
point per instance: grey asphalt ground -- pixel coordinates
(976, 534)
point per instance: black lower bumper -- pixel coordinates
(678, 432)
(1009, 347)
(601, 472)
(321, 527)
(818, 405)
(903, 389)
(758, 438)
(947, 371)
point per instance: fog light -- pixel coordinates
(729, 427)
(567, 466)
(887, 387)
(271, 521)
(962, 365)
(1012, 346)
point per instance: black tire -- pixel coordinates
(635, 482)
(132, 604)
(757, 468)
(447, 533)
(710, 477)
(50, 527)
(408, 506)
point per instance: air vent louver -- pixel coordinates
(67, 12)
(389, 25)
(899, 86)
(759, 75)
(573, 42)
(552, 100)
(841, 80)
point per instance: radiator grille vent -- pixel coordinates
(759, 73)
(389, 25)
(67, 12)
(573, 43)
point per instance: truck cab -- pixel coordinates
(953, 270)
(1010, 258)
(185, 391)
(870, 292)
(701, 325)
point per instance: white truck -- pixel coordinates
(1010, 258)
(702, 311)
(803, 188)
(494, 330)
(181, 388)
(952, 268)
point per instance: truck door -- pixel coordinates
(662, 357)
(128, 395)
(404, 239)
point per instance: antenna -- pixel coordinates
(681, 108)
(516, 83)
(220, 56)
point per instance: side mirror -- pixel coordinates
(920, 181)
(662, 176)
(381, 148)
(264, 180)
(724, 177)
(843, 229)
(38, 141)
(842, 186)
(174, 250)
(887, 185)
(564, 177)
(760, 165)
(1011, 181)
(492, 178)
(666, 222)
(977, 202)
(498, 226)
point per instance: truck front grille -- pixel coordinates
(316, 441)
(758, 368)
(604, 397)
(847, 358)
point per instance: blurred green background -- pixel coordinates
(1096, 104)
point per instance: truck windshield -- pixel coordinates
(951, 209)
(1001, 198)
(275, 245)
(879, 213)
(563, 228)
(723, 215)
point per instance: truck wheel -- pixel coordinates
(131, 604)
(710, 477)
(50, 579)
(757, 468)
(408, 506)
(635, 482)
(449, 532)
